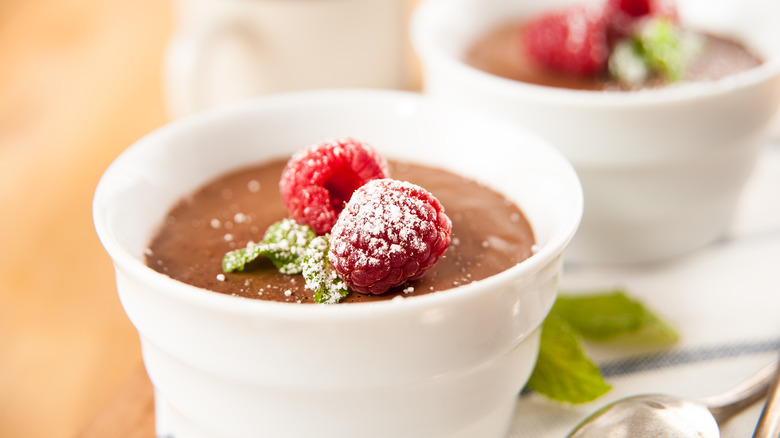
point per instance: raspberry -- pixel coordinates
(640, 8)
(317, 182)
(571, 40)
(623, 15)
(390, 232)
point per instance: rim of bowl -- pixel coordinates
(124, 260)
(426, 18)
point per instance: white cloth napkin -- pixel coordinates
(724, 300)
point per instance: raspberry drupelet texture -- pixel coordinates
(572, 40)
(624, 15)
(641, 8)
(317, 182)
(390, 232)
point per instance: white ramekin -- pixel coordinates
(448, 364)
(662, 170)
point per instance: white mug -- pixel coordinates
(226, 50)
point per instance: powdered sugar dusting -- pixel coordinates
(320, 278)
(380, 216)
(388, 229)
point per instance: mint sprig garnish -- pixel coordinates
(320, 277)
(662, 44)
(294, 249)
(284, 243)
(658, 47)
(563, 370)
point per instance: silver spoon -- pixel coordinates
(769, 423)
(662, 416)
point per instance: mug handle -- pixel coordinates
(187, 64)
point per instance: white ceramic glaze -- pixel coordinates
(221, 51)
(661, 170)
(448, 364)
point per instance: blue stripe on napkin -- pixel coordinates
(686, 356)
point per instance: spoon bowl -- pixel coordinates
(662, 416)
(653, 415)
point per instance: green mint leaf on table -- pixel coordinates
(284, 244)
(563, 370)
(611, 315)
(320, 277)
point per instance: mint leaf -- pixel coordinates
(563, 372)
(284, 244)
(610, 315)
(320, 277)
(238, 259)
(662, 47)
(294, 249)
(658, 47)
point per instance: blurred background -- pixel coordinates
(80, 81)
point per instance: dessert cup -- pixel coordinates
(447, 364)
(662, 170)
(221, 51)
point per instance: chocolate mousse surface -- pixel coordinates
(498, 52)
(489, 235)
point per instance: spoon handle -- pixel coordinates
(769, 422)
(726, 405)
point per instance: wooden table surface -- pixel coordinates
(80, 80)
